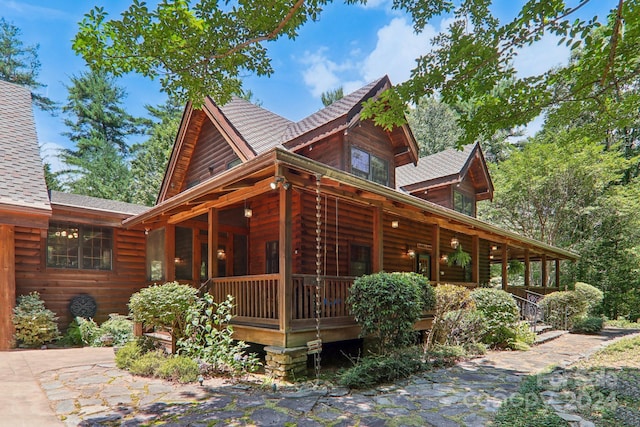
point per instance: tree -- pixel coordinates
(195, 48)
(19, 64)
(475, 55)
(331, 96)
(99, 126)
(151, 156)
(434, 125)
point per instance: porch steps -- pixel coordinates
(162, 339)
(548, 335)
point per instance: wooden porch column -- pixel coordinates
(7, 284)
(435, 260)
(170, 251)
(378, 239)
(285, 285)
(558, 273)
(505, 264)
(527, 268)
(212, 243)
(475, 259)
(545, 272)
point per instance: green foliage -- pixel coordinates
(72, 336)
(19, 64)
(523, 337)
(208, 338)
(387, 305)
(452, 303)
(587, 325)
(465, 328)
(163, 306)
(459, 257)
(148, 363)
(376, 369)
(434, 126)
(195, 48)
(178, 368)
(561, 309)
(331, 96)
(127, 354)
(34, 324)
(623, 324)
(501, 314)
(89, 331)
(119, 328)
(592, 295)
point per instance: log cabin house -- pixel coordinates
(259, 207)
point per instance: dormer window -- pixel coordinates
(368, 166)
(463, 203)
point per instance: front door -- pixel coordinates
(424, 265)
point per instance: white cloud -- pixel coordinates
(32, 11)
(50, 153)
(541, 56)
(397, 48)
(322, 74)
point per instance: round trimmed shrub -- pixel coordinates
(587, 325)
(34, 324)
(592, 295)
(163, 306)
(387, 305)
(452, 304)
(562, 308)
(501, 314)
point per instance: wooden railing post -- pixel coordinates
(285, 282)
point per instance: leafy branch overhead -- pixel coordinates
(194, 49)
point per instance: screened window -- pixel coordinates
(463, 203)
(360, 260)
(366, 165)
(184, 253)
(272, 258)
(79, 246)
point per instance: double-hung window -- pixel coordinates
(366, 165)
(80, 247)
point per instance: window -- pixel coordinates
(155, 255)
(360, 260)
(79, 246)
(272, 258)
(463, 203)
(184, 253)
(368, 166)
(234, 163)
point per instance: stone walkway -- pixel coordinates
(465, 395)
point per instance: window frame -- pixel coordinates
(85, 250)
(467, 202)
(361, 159)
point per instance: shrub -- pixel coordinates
(387, 305)
(523, 337)
(119, 328)
(89, 331)
(376, 369)
(562, 308)
(73, 336)
(163, 306)
(147, 364)
(34, 324)
(592, 295)
(465, 327)
(449, 299)
(178, 368)
(208, 337)
(501, 314)
(126, 355)
(587, 325)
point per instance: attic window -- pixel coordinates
(366, 165)
(463, 203)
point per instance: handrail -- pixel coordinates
(529, 311)
(205, 287)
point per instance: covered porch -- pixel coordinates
(284, 234)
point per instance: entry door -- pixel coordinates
(424, 265)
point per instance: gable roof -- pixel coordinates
(95, 203)
(446, 167)
(22, 185)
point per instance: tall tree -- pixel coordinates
(331, 96)
(99, 127)
(434, 125)
(20, 64)
(151, 156)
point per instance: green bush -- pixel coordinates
(118, 328)
(376, 369)
(592, 295)
(451, 304)
(465, 327)
(387, 305)
(163, 306)
(501, 314)
(587, 325)
(89, 331)
(208, 338)
(127, 354)
(562, 308)
(34, 324)
(523, 337)
(148, 363)
(178, 368)
(73, 336)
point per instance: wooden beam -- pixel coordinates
(527, 268)
(435, 260)
(170, 252)
(475, 259)
(378, 240)
(545, 272)
(505, 265)
(285, 283)
(558, 273)
(7, 284)
(212, 243)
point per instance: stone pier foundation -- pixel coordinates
(286, 363)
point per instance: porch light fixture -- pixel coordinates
(411, 253)
(444, 258)
(490, 256)
(221, 254)
(395, 224)
(494, 247)
(248, 213)
(279, 180)
(455, 242)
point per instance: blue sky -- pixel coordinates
(350, 46)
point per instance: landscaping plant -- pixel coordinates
(452, 304)
(502, 317)
(34, 324)
(592, 295)
(561, 309)
(387, 305)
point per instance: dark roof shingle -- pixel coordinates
(449, 162)
(95, 203)
(22, 183)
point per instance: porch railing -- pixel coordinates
(255, 297)
(529, 311)
(334, 291)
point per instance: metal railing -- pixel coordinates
(529, 311)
